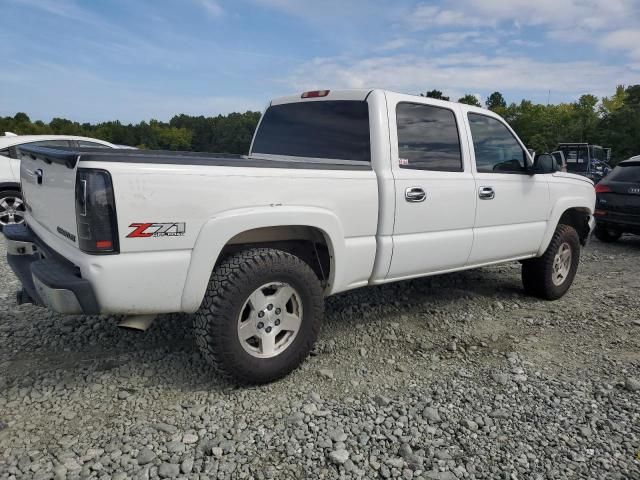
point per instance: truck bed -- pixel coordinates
(71, 156)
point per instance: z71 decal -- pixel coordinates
(146, 230)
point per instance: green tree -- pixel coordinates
(613, 103)
(437, 94)
(496, 101)
(470, 100)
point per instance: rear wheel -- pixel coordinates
(607, 235)
(260, 316)
(551, 275)
(12, 208)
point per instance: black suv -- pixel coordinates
(618, 202)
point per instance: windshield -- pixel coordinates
(576, 157)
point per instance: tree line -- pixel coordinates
(610, 121)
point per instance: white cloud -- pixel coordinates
(590, 14)
(626, 40)
(460, 73)
(396, 44)
(212, 7)
(425, 16)
(450, 40)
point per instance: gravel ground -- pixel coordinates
(460, 376)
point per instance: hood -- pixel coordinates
(573, 176)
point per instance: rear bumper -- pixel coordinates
(623, 222)
(48, 279)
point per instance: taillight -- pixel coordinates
(96, 212)
(602, 188)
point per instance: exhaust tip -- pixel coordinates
(137, 323)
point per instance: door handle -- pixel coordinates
(414, 194)
(486, 193)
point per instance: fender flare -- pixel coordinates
(9, 186)
(561, 206)
(219, 230)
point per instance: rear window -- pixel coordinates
(625, 173)
(336, 130)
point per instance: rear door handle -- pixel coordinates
(414, 194)
(486, 193)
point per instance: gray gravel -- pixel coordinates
(452, 377)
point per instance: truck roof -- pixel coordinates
(361, 94)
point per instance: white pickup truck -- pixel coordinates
(340, 190)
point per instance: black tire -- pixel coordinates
(538, 273)
(231, 284)
(606, 235)
(10, 194)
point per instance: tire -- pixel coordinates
(546, 279)
(232, 303)
(11, 208)
(606, 235)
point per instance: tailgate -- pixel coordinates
(48, 177)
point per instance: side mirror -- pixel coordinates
(545, 163)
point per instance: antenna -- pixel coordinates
(549, 97)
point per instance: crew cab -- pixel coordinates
(11, 205)
(340, 190)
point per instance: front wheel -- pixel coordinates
(606, 235)
(550, 276)
(12, 208)
(260, 316)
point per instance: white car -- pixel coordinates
(11, 205)
(340, 190)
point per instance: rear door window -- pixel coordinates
(334, 130)
(428, 138)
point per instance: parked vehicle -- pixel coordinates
(585, 159)
(11, 205)
(340, 190)
(618, 202)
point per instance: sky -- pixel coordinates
(135, 60)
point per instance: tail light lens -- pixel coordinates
(602, 188)
(96, 212)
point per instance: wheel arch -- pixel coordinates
(287, 228)
(572, 211)
(4, 186)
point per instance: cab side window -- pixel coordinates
(496, 149)
(50, 143)
(428, 138)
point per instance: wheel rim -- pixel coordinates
(270, 319)
(561, 264)
(11, 210)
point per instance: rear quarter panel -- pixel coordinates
(216, 203)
